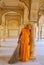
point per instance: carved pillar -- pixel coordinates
(0, 19)
(1, 27)
(26, 12)
(32, 39)
(39, 26)
(3, 24)
(41, 33)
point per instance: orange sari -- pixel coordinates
(24, 45)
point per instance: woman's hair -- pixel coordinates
(28, 26)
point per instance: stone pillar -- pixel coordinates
(38, 33)
(34, 10)
(41, 33)
(3, 24)
(26, 13)
(1, 27)
(33, 40)
(1, 33)
(0, 19)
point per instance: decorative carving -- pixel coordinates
(28, 4)
(3, 4)
(41, 10)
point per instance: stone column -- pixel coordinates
(33, 40)
(3, 24)
(1, 27)
(0, 19)
(1, 33)
(34, 10)
(26, 13)
(41, 33)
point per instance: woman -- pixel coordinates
(24, 40)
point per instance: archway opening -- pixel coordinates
(11, 21)
(41, 27)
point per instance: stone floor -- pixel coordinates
(39, 61)
(8, 48)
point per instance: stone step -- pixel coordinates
(12, 39)
(6, 51)
(8, 47)
(9, 42)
